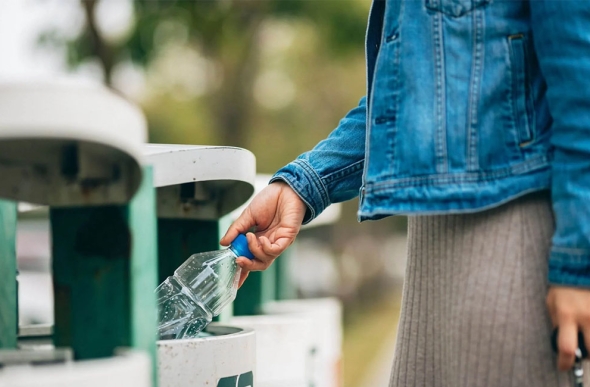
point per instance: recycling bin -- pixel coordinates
(224, 357)
(197, 186)
(77, 148)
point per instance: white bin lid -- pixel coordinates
(200, 182)
(68, 143)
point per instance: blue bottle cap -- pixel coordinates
(240, 245)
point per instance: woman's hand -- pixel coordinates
(569, 309)
(277, 213)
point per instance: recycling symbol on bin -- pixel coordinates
(243, 380)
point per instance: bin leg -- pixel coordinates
(8, 284)
(104, 275)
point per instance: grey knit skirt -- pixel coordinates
(473, 311)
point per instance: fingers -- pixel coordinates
(265, 252)
(240, 226)
(255, 264)
(567, 342)
(569, 309)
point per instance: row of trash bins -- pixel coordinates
(296, 343)
(64, 151)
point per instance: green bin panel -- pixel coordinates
(8, 271)
(104, 274)
(178, 239)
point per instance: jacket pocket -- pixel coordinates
(522, 111)
(455, 8)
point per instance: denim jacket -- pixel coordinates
(470, 104)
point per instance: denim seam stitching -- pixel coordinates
(472, 156)
(344, 172)
(440, 101)
(509, 94)
(567, 252)
(530, 165)
(396, 74)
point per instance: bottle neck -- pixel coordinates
(234, 251)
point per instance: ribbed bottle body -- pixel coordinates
(199, 290)
(180, 316)
(212, 277)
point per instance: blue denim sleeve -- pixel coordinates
(332, 171)
(561, 31)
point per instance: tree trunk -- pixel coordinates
(232, 104)
(100, 48)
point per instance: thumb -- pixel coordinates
(240, 226)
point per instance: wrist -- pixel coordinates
(292, 196)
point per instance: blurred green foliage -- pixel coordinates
(318, 69)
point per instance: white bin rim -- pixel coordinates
(220, 331)
(217, 179)
(68, 143)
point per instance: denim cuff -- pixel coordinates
(569, 267)
(306, 183)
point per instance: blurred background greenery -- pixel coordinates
(272, 76)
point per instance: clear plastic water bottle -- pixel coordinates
(199, 290)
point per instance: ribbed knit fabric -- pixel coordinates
(473, 310)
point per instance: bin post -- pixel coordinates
(8, 282)
(104, 273)
(144, 268)
(223, 225)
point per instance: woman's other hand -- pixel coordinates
(569, 309)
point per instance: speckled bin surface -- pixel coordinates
(228, 357)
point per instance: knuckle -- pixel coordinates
(584, 318)
(567, 351)
(564, 314)
(549, 302)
